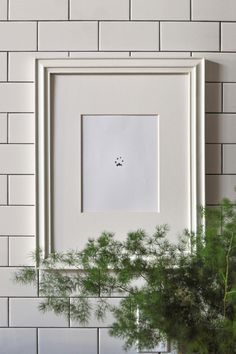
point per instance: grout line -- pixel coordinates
(8, 190)
(68, 10)
(124, 20)
(17, 174)
(8, 312)
(7, 66)
(98, 35)
(159, 36)
(218, 143)
(222, 97)
(222, 160)
(37, 340)
(190, 8)
(8, 253)
(8, 133)
(8, 9)
(17, 143)
(98, 340)
(220, 36)
(38, 283)
(130, 11)
(37, 36)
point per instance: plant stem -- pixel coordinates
(227, 275)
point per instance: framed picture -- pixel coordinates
(120, 147)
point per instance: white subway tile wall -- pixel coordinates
(4, 312)
(3, 9)
(160, 10)
(3, 189)
(229, 158)
(31, 29)
(73, 341)
(68, 35)
(21, 128)
(129, 35)
(3, 128)
(3, 66)
(10, 288)
(190, 36)
(228, 31)
(99, 10)
(18, 35)
(33, 317)
(21, 190)
(229, 92)
(27, 249)
(14, 340)
(38, 9)
(213, 158)
(4, 251)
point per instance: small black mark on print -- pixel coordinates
(119, 161)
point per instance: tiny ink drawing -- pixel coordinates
(119, 161)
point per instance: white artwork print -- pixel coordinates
(120, 163)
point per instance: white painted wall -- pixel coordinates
(81, 28)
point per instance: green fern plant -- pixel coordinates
(184, 293)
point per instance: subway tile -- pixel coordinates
(220, 67)
(18, 340)
(160, 10)
(21, 128)
(99, 10)
(228, 37)
(213, 101)
(112, 345)
(214, 10)
(71, 341)
(160, 54)
(22, 64)
(68, 36)
(38, 9)
(18, 36)
(229, 94)
(129, 36)
(99, 55)
(3, 66)
(3, 190)
(221, 128)
(16, 97)
(20, 251)
(26, 313)
(3, 128)
(22, 190)
(115, 345)
(190, 36)
(17, 159)
(219, 187)
(213, 158)
(3, 9)
(3, 312)
(229, 158)
(3, 252)
(9, 287)
(93, 321)
(17, 220)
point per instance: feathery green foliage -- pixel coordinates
(184, 293)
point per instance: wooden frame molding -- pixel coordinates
(46, 68)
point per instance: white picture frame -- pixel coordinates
(46, 69)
